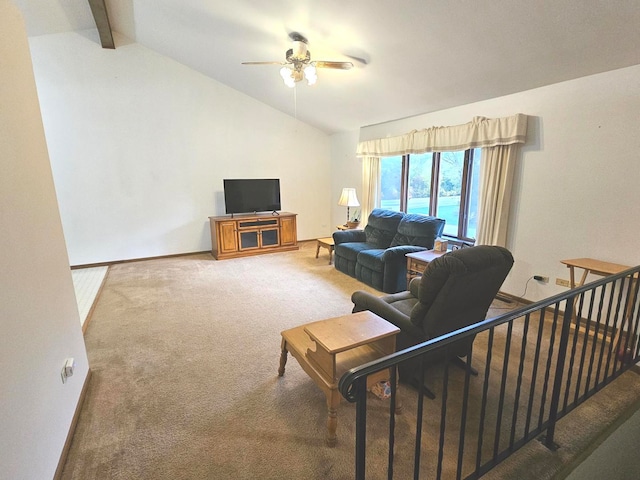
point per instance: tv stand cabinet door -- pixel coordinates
(270, 237)
(227, 237)
(249, 240)
(288, 231)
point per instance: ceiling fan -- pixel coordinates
(298, 64)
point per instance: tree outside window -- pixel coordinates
(391, 184)
(441, 184)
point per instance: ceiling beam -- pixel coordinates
(99, 10)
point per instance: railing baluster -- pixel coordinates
(392, 421)
(612, 325)
(463, 419)
(485, 390)
(534, 373)
(557, 385)
(576, 336)
(593, 350)
(552, 339)
(443, 419)
(624, 350)
(419, 415)
(503, 386)
(585, 345)
(361, 427)
(619, 325)
(516, 403)
(634, 319)
(627, 321)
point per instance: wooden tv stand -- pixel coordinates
(253, 234)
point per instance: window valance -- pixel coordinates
(481, 132)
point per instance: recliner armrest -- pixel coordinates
(366, 301)
(414, 286)
(344, 236)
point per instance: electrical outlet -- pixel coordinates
(563, 283)
(67, 369)
(541, 278)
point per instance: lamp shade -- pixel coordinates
(348, 198)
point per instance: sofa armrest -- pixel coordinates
(344, 236)
(393, 253)
(366, 301)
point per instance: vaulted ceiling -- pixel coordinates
(410, 56)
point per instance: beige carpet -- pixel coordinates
(184, 353)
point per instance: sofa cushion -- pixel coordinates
(419, 230)
(372, 259)
(350, 250)
(382, 226)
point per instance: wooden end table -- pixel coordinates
(326, 242)
(591, 265)
(327, 349)
(417, 262)
(595, 267)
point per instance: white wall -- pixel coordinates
(39, 321)
(346, 171)
(576, 187)
(140, 144)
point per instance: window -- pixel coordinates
(441, 184)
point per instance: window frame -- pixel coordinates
(465, 190)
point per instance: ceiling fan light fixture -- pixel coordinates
(298, 65)
(310, 74)
(287, 75)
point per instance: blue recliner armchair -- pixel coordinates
(376, 255)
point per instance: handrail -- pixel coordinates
(576, 365)
(349, 378)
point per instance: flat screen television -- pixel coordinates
(249, 195)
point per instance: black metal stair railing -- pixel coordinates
(534, 365)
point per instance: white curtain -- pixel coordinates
(499, 139)
(496, 179)
(370, 187)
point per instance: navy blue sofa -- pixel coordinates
(376, 255)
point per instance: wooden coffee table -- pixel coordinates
(327, 349)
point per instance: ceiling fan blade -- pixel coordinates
(337, 65)
(264, 63)
(361, 60)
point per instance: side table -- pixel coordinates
(327, 349)
(417, 262)
(326, 242)
(595, 267)
(591, 265)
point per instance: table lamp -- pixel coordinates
(348, 199)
